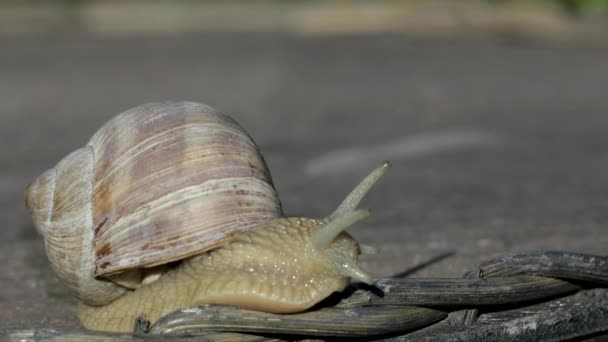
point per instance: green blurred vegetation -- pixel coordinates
(570, 6)
(591, 5)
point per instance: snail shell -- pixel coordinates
(156, 184)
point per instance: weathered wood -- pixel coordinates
(460, 292)
(348, 322)
(565, 265)
(575, 266)
(364, 313)
(575, 316)
(387, 309)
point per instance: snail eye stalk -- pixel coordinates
(347, 213)
(351, 202)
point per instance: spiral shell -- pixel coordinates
(156, 184)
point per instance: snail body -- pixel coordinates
(171, 205)
(273, 268)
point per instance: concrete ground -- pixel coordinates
(496, 147)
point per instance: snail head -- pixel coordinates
(327, 237)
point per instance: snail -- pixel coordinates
(171, 205)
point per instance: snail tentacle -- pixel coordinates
(368, 250)
(351, 202)
(353, 271)
(323, 237)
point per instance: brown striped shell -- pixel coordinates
(156, 184)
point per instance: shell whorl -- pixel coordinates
(60, 200)
(155, 184)
(39, 199)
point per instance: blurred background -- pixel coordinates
(494, 114)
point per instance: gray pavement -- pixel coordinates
(496, 147)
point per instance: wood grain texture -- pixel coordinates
(460, 292)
